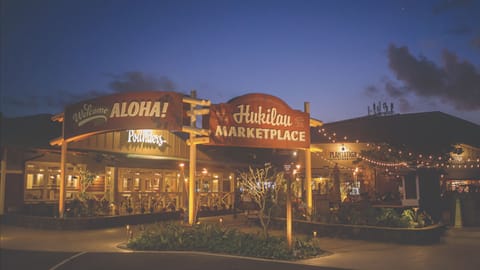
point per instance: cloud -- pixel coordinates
(138, 81)
(476, 42)
(404, 105)
(455, 82)
(420, 75)
(55, 101)
(393, 90)
(460, 30)
(372, 91)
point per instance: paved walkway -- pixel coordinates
(458, 250)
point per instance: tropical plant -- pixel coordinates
(220, 239)
(416, 218)
(262, 185)
(86, 180)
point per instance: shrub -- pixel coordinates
(415, 218)
(389, 217)
(218, 239)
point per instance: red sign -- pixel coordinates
(258, 120)
(133, 110)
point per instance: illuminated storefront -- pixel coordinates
(411, 160)
(136, 148)
(133, 148)
(137, 171)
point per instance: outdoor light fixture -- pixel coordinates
(129, 233)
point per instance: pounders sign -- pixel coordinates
(133, 110)
(258, 120)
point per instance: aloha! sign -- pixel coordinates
(258, 120)
(139, 110)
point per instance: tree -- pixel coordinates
(263, 186)
(86, 179)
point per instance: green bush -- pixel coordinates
(218, 239)
(415, 218)
(390, 218)
(357, 215)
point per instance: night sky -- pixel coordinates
(341, 56)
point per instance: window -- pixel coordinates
(410, 187)
(148, 185)
(127, 184)
(72, 181)
(29, 181)
(42, 180)
(38, 182)
(170, 182)
(136, 185)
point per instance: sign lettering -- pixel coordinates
(258, 120)
(142, 110)
(346, 155)
(145, 136)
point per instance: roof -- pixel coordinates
(36, 132)
(30, 131)
(428, 131)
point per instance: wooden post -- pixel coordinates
(458, 214)
(308, 172)
(192, 165)
(288, 216)
(63, 169)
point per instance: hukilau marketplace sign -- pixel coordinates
(258, 120)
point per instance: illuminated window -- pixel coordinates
(126, 184)
(170, 182)
(72, 181)
(215, 185)
(42, 180)
(137, 184)
(29, 181)
(39, 180)
(156, 183)
(148, 185)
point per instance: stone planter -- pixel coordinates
(427, 235)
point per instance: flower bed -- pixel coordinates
(220, 239)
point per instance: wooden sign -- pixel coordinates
(125, 111)
(258, 120)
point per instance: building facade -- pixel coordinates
(130, 171)
(411, 160)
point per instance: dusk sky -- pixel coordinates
(341, 56)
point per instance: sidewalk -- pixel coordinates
(458, 250)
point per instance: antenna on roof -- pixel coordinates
(381, 109)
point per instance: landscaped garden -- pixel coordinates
(216, 238)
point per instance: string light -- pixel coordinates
(419, 161)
